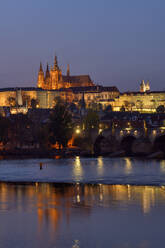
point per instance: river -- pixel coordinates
(80, 202)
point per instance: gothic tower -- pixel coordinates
(47, 78)
(142, 86)
(40, 82)
(56, 75)
(148, 86)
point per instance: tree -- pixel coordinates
(34, 103)
(21, 130)
(160, 109)
(139, 104)
(4, 127)
(122, 109)
(129, 105)
(91, 120)
(108, 108)
(60, 125)
(91, 125)
(58, 100)
(126, 105)
(11, 101)
(94, 106)
(154, 104)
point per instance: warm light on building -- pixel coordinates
(100, 130)
(78, 131)
(135, 132)
(154, 132)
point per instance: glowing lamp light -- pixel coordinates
(100, 130)
(135, 132)
(154, 132)
(78, 131)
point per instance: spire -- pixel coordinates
(55, 63)
(142, 86)
(148, 86)
(47, 71)
(47, 67)
(41, 70)
(68, 70)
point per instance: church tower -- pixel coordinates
(148, 86)
(47, 78)
(40, 82)
(56, 75)
(142, 86)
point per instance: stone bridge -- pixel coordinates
(130, 140)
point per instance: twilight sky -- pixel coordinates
(117, 42)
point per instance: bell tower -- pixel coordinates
(142, 86)
(56, 75)
(40, 82)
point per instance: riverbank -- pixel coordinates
(70, 153)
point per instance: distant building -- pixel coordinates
(144, 87)
(54, 79)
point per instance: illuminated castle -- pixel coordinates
(54, 80)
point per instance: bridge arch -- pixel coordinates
(97, 144)
(159, 143)
(127, 143)
(105, 145)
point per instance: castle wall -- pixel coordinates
(145, 102)
(46, 98)
(4, 97)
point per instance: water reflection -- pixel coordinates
(128, 165)
(59, 206)
(49, 198)
(77, 169)
(162, 166)
(100, 166)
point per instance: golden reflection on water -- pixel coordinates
(128, 165)
(162, 166)
(77, 169)
(100, 166)
(148, 199)
(54, 204)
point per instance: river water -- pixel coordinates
(96, 202)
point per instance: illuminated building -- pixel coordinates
(54, 80)
(71, 89)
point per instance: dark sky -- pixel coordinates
(117, 42)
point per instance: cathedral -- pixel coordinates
(54, 80)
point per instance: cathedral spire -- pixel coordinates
(40, 81)
(47, 67)
(55, 63)
(68, 70)
(47, 71)
(41, 70)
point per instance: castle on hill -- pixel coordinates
(54, 79)
(70, 88)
